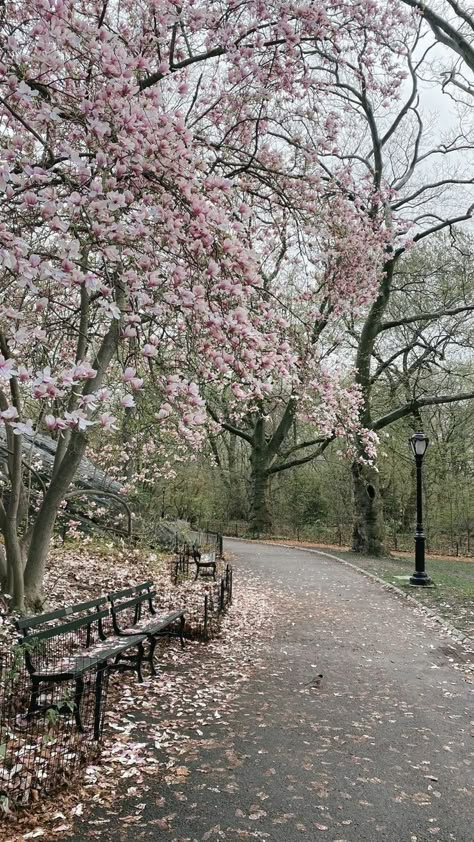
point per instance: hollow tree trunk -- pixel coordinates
(368, 525)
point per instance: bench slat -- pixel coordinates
(155, 624)
(128, 591)
(83, 663)
(64, 628)
(135, 601)
(38, 619)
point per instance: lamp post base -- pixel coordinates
(421, 578)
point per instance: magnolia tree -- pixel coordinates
(419, 175)
(123, 244)
(314, 288)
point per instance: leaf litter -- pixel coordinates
(149, 727)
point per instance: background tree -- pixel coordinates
(382, 161)
(397, 153)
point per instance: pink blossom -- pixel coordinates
(53, 423)
(10, 414)
(129, 374)
(84, 371)
(106, 421)
(77, 419)
(23, 428)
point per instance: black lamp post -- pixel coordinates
(419, 443)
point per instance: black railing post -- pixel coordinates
(222, 595)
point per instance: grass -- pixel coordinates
(453, 595)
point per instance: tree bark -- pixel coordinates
(3, 568)
(260, 520)
(15, 563)
(46, 518)
(368, 525)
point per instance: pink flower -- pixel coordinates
(84, 371)
(77, 419)
(23, 428)
(106, 421)
(10, 414)
(129, 374)
(7, 368)
(53, 423)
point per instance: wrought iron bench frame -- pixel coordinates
(153, 626)
(205, 562)
(101, 652)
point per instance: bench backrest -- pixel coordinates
(27, 623)
(132, 600)
(54, 643)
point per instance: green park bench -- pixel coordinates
(89, 640)
(145, 620)
(206, 564)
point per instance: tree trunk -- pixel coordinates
(46, 518)
(260, 520)
(15, 565)
(368, 527)
(3, 569)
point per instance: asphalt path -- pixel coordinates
(379, 748)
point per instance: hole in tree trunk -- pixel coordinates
(371, 491)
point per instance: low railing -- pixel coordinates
(41, 748)
(217, 589)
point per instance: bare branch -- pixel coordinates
(444, 31)
(229, 427)
(284, 466)
(425, 317)
(417, 403)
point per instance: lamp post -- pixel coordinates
(419, 443)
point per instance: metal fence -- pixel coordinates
(41, 745)
(216, 600)
(203, 621)
(205, 539)
(440, 542)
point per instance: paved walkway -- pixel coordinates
(378, 749)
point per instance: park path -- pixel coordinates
(379, 749)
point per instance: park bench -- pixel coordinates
(141, 617)
(66, 651)
(206, 564)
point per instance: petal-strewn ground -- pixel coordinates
(242, 738)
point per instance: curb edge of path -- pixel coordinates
(448, 627)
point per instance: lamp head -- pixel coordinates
(419, 443)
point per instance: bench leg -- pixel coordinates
(33, 706)
(151, 654)
(98, 699)
(77, 702)
(139, 661)
(181, 631)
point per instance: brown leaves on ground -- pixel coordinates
(149, 727)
